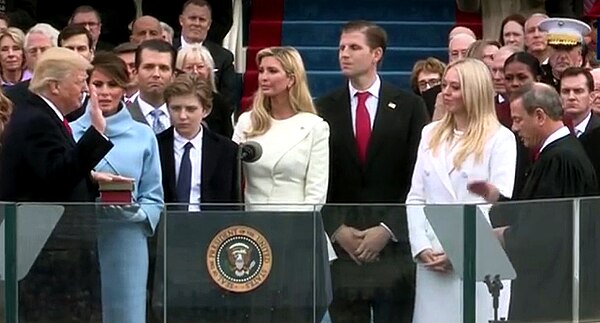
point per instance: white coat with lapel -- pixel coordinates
(294, 166)
(431, 184)
(293, 170)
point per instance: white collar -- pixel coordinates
(373, 89)
(185, 44)
(181, 141)
(561, 132)
(54, 108)
(132, 97)
(580, 128)
(147, 108)
(500, 98)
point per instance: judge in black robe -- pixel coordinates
(539, 240)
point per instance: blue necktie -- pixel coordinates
(157, 126)
(184, 181)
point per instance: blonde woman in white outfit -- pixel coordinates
(293, 170)
(467, 144)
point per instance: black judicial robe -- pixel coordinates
(539, 242)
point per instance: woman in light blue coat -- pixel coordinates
(123, 231)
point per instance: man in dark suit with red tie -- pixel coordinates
(40, 162)
(375, 132)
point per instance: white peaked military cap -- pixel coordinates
(564, 31)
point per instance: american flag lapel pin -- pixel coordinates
(392, 105)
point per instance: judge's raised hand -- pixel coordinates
(374, 240)
(98, 120)
(484, 189)
(349, 239)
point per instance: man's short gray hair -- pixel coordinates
(44, 29)
(166, 28)
(542, 96)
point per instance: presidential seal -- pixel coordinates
(239, 259)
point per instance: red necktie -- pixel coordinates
(67, 127)
(363, 126)
(587, 6)
(535, 154)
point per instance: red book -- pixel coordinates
(116, 193)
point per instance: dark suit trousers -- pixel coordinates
(63, 284)
(352, 304)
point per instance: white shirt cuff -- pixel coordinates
(392, 235)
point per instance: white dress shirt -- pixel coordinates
(132, 98)
(580, 128)
(561, 132)
(185, 44)
(54, 108)
(372, 101)
(147, 108)
(196, 159)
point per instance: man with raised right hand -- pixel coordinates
(40, 162)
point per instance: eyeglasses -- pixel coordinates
(89, 24)
(425, 85)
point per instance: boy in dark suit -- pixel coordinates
(199, 166)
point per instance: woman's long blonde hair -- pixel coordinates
(478, 98)
(6, 108)
(299, 94)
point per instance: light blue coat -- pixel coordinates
(123, 232)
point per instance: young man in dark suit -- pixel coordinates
(375, 132)
(198, 165)
(576, 87)
(154, 69)
(78, 39)
(40, 162)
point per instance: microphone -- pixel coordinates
(250, 151)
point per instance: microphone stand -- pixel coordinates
(494, 286)
(240, 177)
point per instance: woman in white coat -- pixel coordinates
(293, 172)
(467, 144)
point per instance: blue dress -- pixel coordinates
(122, 232)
